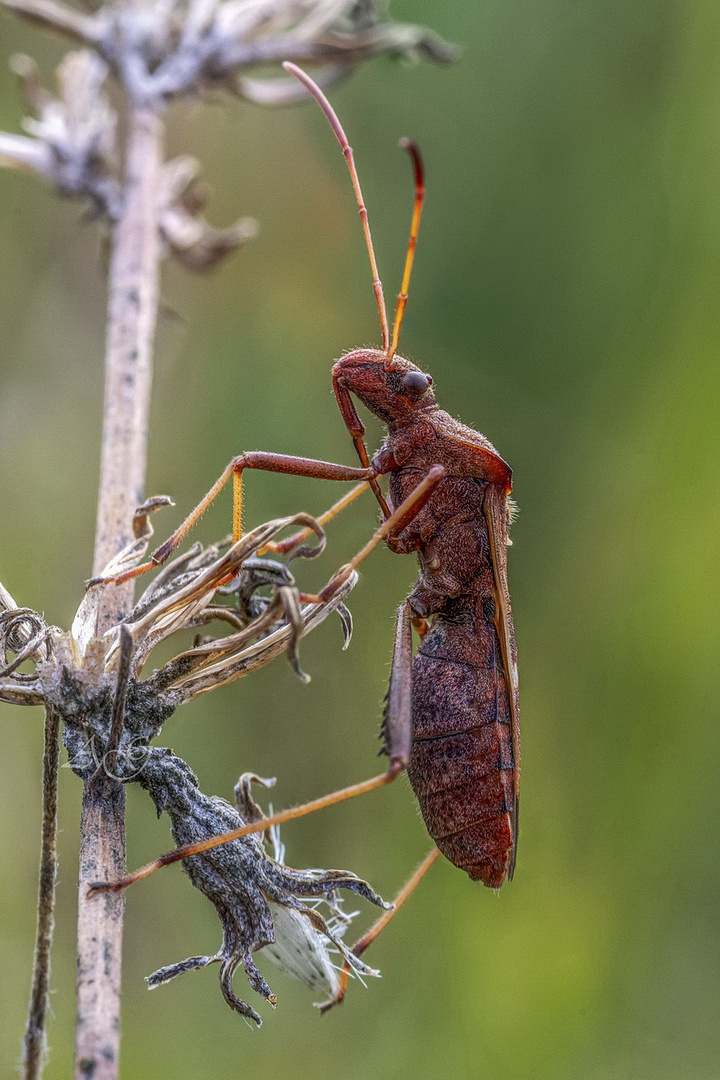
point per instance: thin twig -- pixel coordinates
(34, 1045)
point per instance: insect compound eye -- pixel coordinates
(415, 383)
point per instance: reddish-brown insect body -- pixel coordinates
(463, 760)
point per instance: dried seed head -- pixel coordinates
(261, 903)
(111, 715)
(183, 48)
(80, 674)
(183, 595)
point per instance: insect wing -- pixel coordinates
(497, 514)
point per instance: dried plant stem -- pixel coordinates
(132, 313)
(34, 1044)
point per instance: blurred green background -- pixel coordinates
(566, 301)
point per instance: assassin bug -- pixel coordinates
(452, 710)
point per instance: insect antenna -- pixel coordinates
(411, 147)
(342, 138)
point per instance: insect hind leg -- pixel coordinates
(377, 927)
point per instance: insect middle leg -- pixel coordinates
(283, 547)
(389, 528)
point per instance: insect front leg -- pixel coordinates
(258, 459)
(357, 430)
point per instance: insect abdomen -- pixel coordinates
(462, 767)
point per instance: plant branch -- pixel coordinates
(132, 312)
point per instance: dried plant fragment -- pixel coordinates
(182, 596)
(260, 902)
(184, 47)
(23, 636)
(79, 677)
(72, 139)
(191, 239)
(80, 674)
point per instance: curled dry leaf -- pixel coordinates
(77, 671)
(187, 234)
